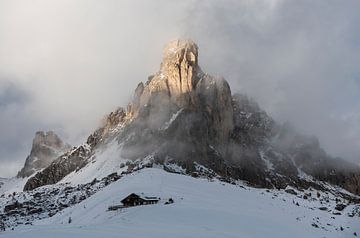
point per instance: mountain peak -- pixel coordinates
(180, 49)
(46, 147)
(179, 70)
(181, 84)
(175, 83)
(47, 138)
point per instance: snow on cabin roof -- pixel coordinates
(147, 197)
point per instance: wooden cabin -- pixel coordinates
(138, 200)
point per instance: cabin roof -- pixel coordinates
(142, 196)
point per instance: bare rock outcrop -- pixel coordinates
(112, 121)
(181, 71)
(181, 84)
(46, 147)
(176, 81)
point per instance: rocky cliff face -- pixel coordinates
(180, 87)
(183, 115)
(176, 81)
(58, 169)
(46, 147)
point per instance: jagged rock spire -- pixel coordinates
(181, 84)
(180, 67)
(176, 81)
(46, 147)
(177, 49)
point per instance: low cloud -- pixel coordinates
(298, 59)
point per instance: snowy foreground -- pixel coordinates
(201, 209)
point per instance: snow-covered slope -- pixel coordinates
(10, 185)
(201, 208)
(106, 160)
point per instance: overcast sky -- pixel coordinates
(65, 64)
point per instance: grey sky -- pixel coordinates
(64, 64)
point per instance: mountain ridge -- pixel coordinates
(186, 116)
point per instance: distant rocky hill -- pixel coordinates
(46, 147)
(184, 116)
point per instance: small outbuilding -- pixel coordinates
(138, 200)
